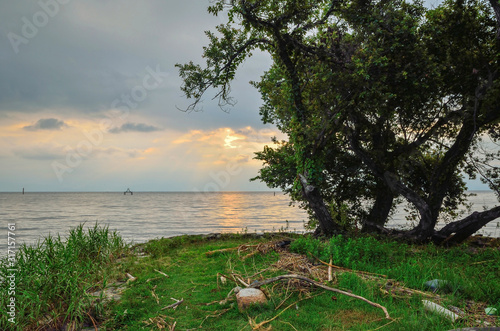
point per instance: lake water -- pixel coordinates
(148, 215)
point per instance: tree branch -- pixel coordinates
(318, 284)
(467, 226)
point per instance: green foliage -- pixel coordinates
(380, 100)
(53, 278)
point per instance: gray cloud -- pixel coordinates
(90, 54)
(46, 124)
(135, 127)
(40, 153)
(242, 158)
(94, 52)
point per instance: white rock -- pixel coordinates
(248, 296)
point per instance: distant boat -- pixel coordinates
(128, 191)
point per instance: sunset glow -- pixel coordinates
(92, 102)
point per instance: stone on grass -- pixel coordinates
(249, 296)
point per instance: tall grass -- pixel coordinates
(54, 276)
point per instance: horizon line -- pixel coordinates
(221, 191)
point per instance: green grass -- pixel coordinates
(53, 277)
(470, 273)
(60, 288)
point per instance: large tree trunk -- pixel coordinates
(315, 201)
(425, 228)
(380, 210)
(456, 232)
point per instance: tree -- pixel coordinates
(379, 100)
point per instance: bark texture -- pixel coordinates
(456, 232)
(317, 204)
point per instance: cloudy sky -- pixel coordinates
(90, 98)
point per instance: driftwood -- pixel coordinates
(270, 280)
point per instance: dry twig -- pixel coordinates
(161, 272)
(174, 305)
(93, 321)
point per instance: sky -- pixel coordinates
(90, 100)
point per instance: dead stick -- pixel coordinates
(240, 280)
(270, 280)
(161, 272)
(330, 278)
(174, 305)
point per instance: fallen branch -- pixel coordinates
(130, 277)
(161, 272)
(270, 280)
(174, 305)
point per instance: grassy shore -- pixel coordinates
(93, 279)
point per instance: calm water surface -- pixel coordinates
(148, 215)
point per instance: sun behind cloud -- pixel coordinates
(230, 138)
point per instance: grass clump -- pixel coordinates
(53, 279)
